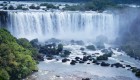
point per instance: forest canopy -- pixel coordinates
(16, 61)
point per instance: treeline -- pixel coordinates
(94, 5)
(116, 1)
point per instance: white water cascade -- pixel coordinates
(62, 25)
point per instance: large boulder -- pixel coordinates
(138, 74)
(60, 48)
(102, 57)
(117, 65)
(85, 58)
(85, 78)
(40, 57)
(104, 64)
(73, 62)
(91, 47)
(94, 61)
(65, 53)
(77, 58)
(82, 49)
(35, 43)
(49, 49)
(64, 60)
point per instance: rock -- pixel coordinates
(60, 48)
(104, 64)
(88, 63)
(121, 61)
(81, 61)
(82, 49)
(107, 52)
(84, 53)
(89, 57)
(138, 74)
(73, 62)
(49, 58)
(40, 57)
(104, 50)
(85, 58)
(102, 57)
(35, 43)
(97, 63)
(66, 53)
(117, 65)
(128, 66)
(85, 78)
(97, 53)
(77, 58)
(134, 69)
(112, 65)
(123, 67)
(68, 59)
(64, 60)
(57, 59)
(49, 49)
(57, 76)
(94, 61)
(91, 47)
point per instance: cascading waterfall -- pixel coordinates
(62, 25)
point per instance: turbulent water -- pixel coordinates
(62, 25)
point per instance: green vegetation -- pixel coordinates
(34, 7)
(15, 57)
(94, 5)
(49, 6)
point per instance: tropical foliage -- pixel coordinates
(16, 60)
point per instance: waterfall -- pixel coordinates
(62, 25)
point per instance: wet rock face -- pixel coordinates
(3, 18)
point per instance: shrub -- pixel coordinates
(4, 75)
